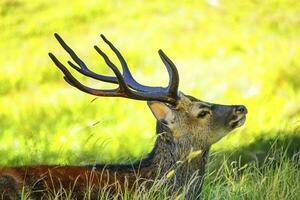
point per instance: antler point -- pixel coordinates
(102, 36)
(160, 52)
(51, 55)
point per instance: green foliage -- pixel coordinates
(233, 52)
(277, 177)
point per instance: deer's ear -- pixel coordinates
(161, 111)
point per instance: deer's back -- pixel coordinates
(80, 181)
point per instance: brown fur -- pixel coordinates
(180, 131)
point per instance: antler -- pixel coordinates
(128, 86)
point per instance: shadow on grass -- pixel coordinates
(286, 144)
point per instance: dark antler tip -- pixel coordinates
(50, 55)
(56, 35)
(102, 36)
(97, 48)
(160, 52)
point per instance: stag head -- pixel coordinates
(188, 118)
(195, 120)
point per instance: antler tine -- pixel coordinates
(149, 95)
(75, 83)
(126, 72)
(173, 74)
(125, 81)
(173, 85)
(121, 91)
(83, 69)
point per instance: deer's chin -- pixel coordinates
(237, 123)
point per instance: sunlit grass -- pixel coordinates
(244, 52)
(277, 177)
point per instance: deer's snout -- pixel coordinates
(240, 109)
(238, 116)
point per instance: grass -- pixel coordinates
(276, 178)
(243, 52)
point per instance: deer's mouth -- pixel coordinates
(237, 122)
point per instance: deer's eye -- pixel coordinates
(202, 114)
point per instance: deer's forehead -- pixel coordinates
(193, 104)
(201, 104)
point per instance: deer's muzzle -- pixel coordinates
(239, 116)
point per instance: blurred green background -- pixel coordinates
(229, 52)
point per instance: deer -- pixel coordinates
(185, 126)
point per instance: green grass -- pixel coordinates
(277, 177)
(241, 52)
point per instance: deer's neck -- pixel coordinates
(165, 156)
(168, 151)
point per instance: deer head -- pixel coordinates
(187, 118)
(195, 120)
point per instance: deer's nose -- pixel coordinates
(240, 109)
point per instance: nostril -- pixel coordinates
(241, 110)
